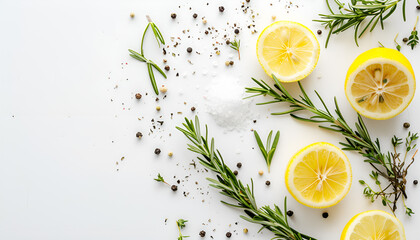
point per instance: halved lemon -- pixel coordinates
(319, 175)
(380, 83)
(288, 50)
(372, 225)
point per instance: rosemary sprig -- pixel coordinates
(271, 219)
(235, 46)
(389, 166)
(140, 56)
(180, 223)
(358, 12)
(413, 40)
(269, 150)
(160, 179)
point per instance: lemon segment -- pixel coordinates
(380, 83)
(288, 50)
(319, 175)
(372, 225)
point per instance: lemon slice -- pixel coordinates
(372, 225)
(288, 50)
(319, 175)
(380, 83)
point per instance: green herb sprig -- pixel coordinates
(374, 12)
(271, 219)
(397, 45)
(413, 40)
(388, 165)
(235, 45)
(180, 223)
(268, 150)
(140, 56)
(160, 179)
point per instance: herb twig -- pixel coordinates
(160, 179)
(268, 150)
(235, 45)
(388, 165)
(397, 45)
(413, 40)
(271, 219)
(357, 12)
(180, 223)
(140, 56)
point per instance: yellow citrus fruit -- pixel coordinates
(372, 225)
(288, 50)
(319, 175)
(380, 83)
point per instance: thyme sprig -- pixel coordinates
(180, 223)
(271, 219)
(397, 45)
(388, 165)
(357, 12)
(160, 179)
(268, 150)
(140, 56)
(235, 45)
(413, 40)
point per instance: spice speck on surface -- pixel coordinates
(239, 165)
(267, 183)
(325, 215)
(231, 63)
(189, 49)
(157, 151)
(227, 63)
(173, 15)
(195, 15)
(406, 125)
(192, 109)
(174, 188)
(405, 39)
(167, 68)
(132, 15)
(245, 230)
(290, 213)
(170, 154)
(158, 108)
(319, 32)
(163, 89)
(202, 233)
(261, 172)
(138, 95)
(236, 31)
(221, 9)
(235, 172)
(415, 182)
(139, 135)
(228, 234)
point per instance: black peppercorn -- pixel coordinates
(174, 188)
(138, 95)
(267, 183)
(239, 165)
(235, 172)
(195, 15)
(157, 151)
(289, 213)
(206, 32)
(202, 233)
(139, 134)
(231, 63)
(406, 125)
(221, 9)
(237, 31)
(418, 7)
(405, 39)
(319, 32)
(167, 68)
(228, 234)
(189, 49)
(192, 109)
(227, 42)
(415, 182)
(325, 215)
(248, 0)
(173, 15)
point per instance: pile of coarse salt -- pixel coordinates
(226, 104)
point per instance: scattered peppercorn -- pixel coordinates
(406, 125)
(174, 188)
(235, 172)
(221, 9)
(206, 32)
(405, 39)
(163, 89)
(248, 0)
(239, 165)
(173, 15)
(325, 215)
(227, 63)
(418, 7)
(138, 95)
(167, 68)
(319, 32)
(195, 15)
(132, 15)
(139, 135)
(192, 109)
(231, 63)
(236, 31)
(170, 154)
(228, 234)
(267, 183)
(245, 230)
(227, 42)
(290, 213)
(415, 182)
(260, 172)
(158, 108)
(189, 49)
(157, 151)
(202, 233)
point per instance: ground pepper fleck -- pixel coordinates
(192, 109)
(319, 32)
(235, 172)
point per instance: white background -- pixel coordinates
(61, 135)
